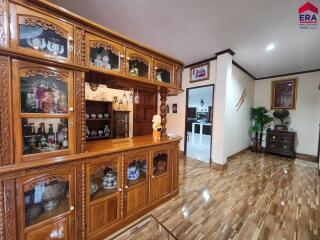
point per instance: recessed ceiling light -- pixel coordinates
(270, 47)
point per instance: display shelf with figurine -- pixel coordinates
(98, 120)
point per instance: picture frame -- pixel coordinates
(174, 108)
(284, 94)
(200, 72)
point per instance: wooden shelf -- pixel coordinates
(99, 137)
(97, 119)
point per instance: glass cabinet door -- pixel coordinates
(104, 178)
(163, 72)
(103, 54)
(45, 101)
(41, 35)
(136, 177)
(104, 193)
(46, 204)
(138, 64)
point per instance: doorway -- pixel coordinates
(198, 127)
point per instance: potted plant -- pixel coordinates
(260, 120)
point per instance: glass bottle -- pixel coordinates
(51, 136)
(65, 140)
(43, 136)
(59, 136)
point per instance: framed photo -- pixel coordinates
(284, 94)
(200, 72)
(175, 108)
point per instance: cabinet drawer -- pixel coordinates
(286, 147)
(287, 138)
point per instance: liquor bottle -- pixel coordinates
(65, 140)
(51, 136)
(43, 136)
(59, 135)
(32, 140)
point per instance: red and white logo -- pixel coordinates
(308, 16)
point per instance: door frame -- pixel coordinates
(186, 118)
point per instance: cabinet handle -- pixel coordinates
(152, 176)
(128, 58)
(121, 55)
(71, 109)
(71, 208)
(126, 187)
(120, 189)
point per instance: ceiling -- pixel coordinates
(194, 30)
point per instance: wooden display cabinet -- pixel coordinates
(104, 193)
(40, 35)
(104, 55)
(163, 72)
(45, 203)
(136, 181)
(161, 176)
(98, 118)
(43, 116)
(138, 65)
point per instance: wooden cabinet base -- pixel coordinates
(107, 232)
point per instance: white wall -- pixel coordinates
(176, 122)
(238, 122)
(306, 118)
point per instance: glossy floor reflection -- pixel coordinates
(148, 228)
(198, 146)
(256, 197)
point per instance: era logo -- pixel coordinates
(308, 15)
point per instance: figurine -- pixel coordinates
(37, 43)
(105, 62)
(55, 47)
(100, 133)
(156, 126)
(159, 77)
(97, 60)
(106, 130)
(134, 71)
(87, 132)
(62, 103)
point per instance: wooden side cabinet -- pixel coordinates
(136, 182)
(45, 204)
(161, 175)
(281, 142)
(104, 193)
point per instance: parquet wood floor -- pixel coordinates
(256, 197)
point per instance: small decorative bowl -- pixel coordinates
(87, 116)
(100, 116)
(93, 116)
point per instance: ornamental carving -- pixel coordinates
(80, 46)
(163, 108)
(10, 212)
(138, 58)
(81, 204)
(32, 72)
(2, 230)
(109, 164)
(44, 180)
(3, 23)
(6, 148)
(105, 46)
(46, 25)
(80, 112)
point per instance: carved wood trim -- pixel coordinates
(6, 139)
(81, 202)
(109, 164)
(105, 46)
(44, 180)
(138, 58)
(163, 108)
(4, 23)
(32, 72)
(2, 230)
(10, 210)
(80, 112)
(47, 25)
(80, 46)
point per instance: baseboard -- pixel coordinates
(306, 157)
(233, 156)
(219, 167)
